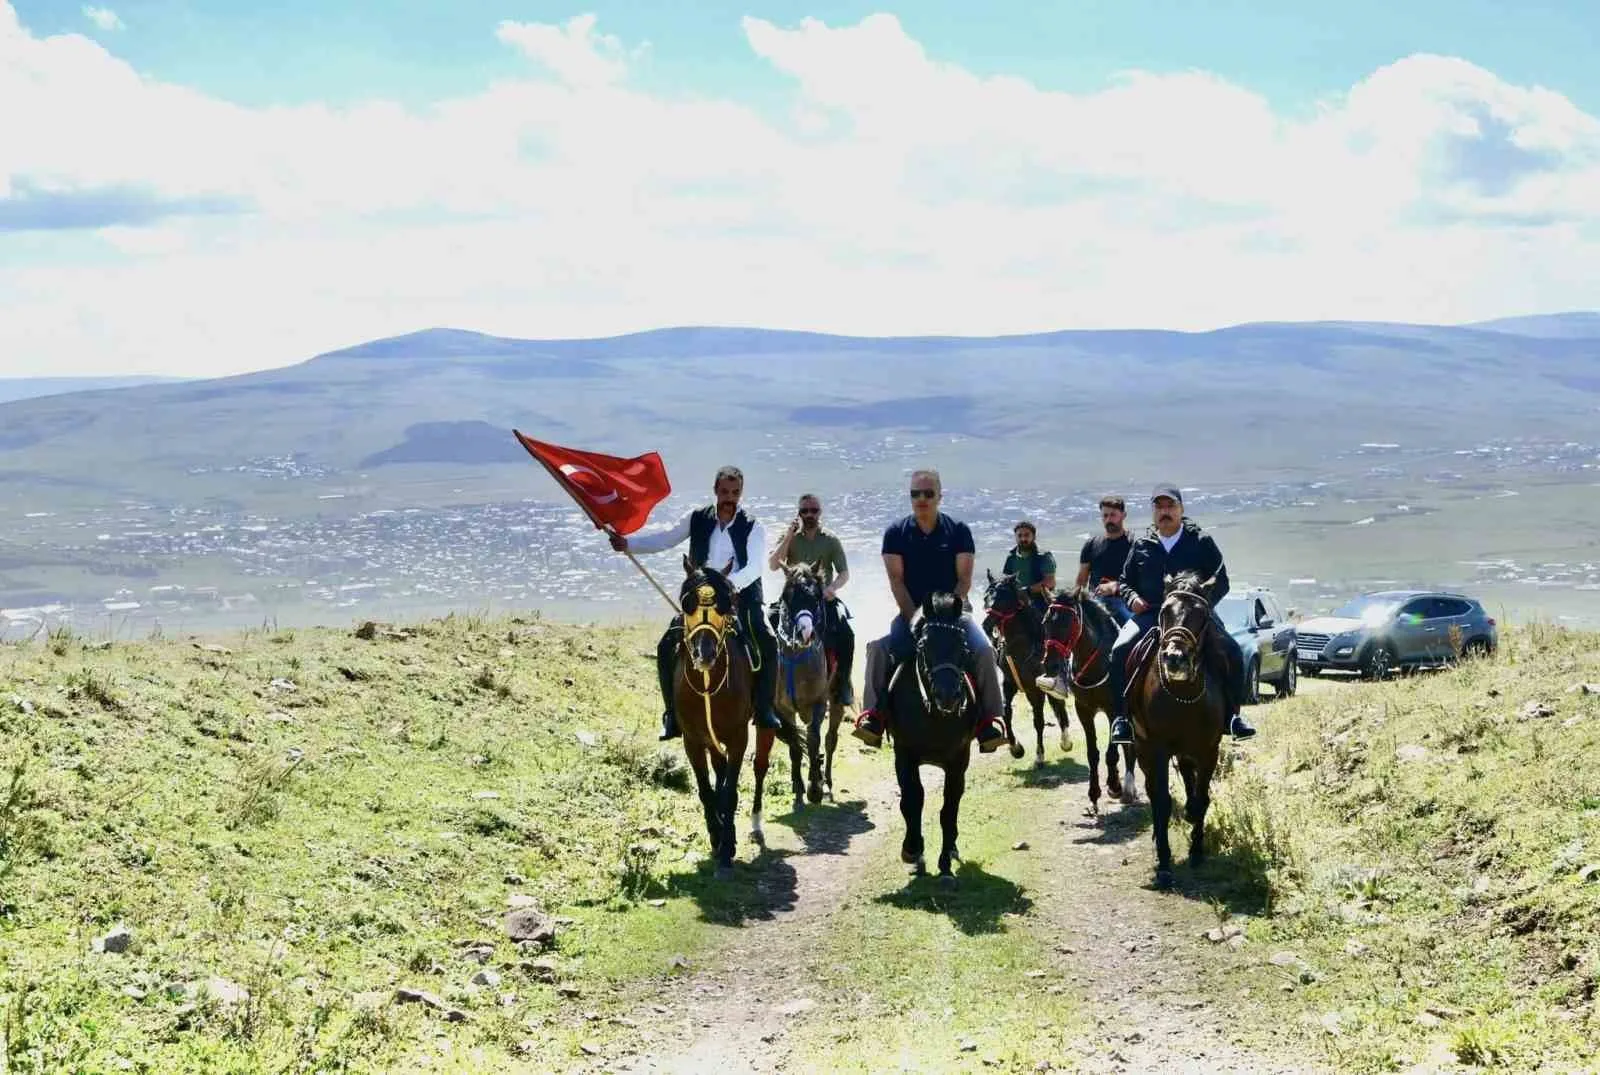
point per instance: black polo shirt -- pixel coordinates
(930, 559)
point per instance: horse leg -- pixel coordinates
(1059, 708)
(909, 776)
(955, 784)
(1130, 789)
(814, 738)
(725, 774)
(1010, 688)
(1186, 770)
(760, 764)
(708, 795)
(835, 715)
(1091, 747)
(1036, 699)
(1199, 803)
(1155, 780)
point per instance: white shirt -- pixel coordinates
(1168, 542)
(719, 552)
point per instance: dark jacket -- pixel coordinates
(1149, 564)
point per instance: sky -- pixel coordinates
(206, 187)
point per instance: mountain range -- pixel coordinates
(429, 414)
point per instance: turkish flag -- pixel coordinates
(615, 492)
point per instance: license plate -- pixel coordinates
(1310, 655)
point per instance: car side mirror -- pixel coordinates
(1292, 614)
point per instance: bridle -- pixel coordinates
(1181, 634)
(925, 673)
(706, 619)
(1068, 648)
(1003, 621)
(789, 643)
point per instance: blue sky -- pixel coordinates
(212, 186)
(296, 51)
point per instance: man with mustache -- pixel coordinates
(722, 536)
(1172, 544)
(1099, 569)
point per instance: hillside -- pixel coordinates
(15, 388)
(313, 839)
(433, 407)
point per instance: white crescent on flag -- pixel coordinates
(572, 471)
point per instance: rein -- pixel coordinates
(720, 629)
(925, 673)
(1069, 648)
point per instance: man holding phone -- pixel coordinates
(807, 541)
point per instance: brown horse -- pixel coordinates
(806, 675)
(713, 691)
(1178, 714)
(1077, 627)
(1020, 651)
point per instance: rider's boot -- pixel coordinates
(1121, 729)
(869, 728)
(1056, 686)
(991, 733)
(1240, 728)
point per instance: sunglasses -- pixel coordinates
(810, 511)
(923, 494)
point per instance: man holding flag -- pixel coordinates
(722, 536)
(618, 495)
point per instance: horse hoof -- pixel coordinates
(919, 867)
(1164, 877)
(947, 880)
(1017, 750)
(724, 873)
(799, 804)
(814, 793)
(908, 858)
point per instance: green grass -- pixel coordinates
(322, 845)
(938, 978)
(1423, 851)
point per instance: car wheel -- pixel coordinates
(1477, 648)
(1252, 683)
(1291, 677)
(1380, 661)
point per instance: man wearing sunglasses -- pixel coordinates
(925, 553)
(807, 541)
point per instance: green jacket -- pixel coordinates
(1030, 570)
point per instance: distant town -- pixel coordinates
(129, 569)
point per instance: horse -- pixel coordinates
(1077, 626)
(807, 675)
(713, 681)
(1178, 714)
(1020, 651)
(933, 702)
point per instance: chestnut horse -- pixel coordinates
(1178, 713)
(1077, 626)
(713, 689)
(806, 676)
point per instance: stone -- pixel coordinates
(118, 940)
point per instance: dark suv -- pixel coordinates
(1376, 633)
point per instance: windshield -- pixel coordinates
(1369, 610)
(1234, 612)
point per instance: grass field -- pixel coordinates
(304, 829)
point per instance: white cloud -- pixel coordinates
(898, 193)
(103, 17)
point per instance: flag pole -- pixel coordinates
(646, 573)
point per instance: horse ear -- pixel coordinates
(688, 565)
(1209, 586)
(815, 568)
(1167, 582)
(990, 572)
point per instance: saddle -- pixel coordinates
(1139, 660)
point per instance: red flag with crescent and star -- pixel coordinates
(615, 492)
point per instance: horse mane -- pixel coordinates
(944, 606)
(1098, 620)
(1187, 582)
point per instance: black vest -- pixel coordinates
(704, 521)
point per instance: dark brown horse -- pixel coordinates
(806, 675)
(1077, 627)
(1020, 651)
(933, 703)
(715, 703)
(1178, 713)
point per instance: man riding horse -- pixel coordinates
(723, 536)
(928, 552)
(1099, 569)
(807, 541)
(1173, 544)
(1033, 567)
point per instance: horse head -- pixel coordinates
(942, 656)
(1003, 597)
(800, 607)
(709, 615)
(1184, 618)
(1063, 626)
